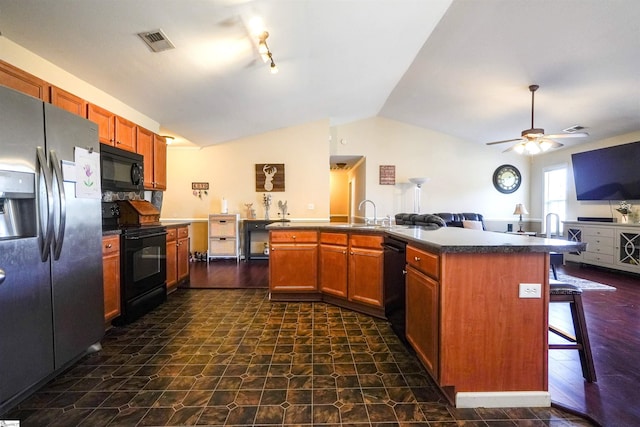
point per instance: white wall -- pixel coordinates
(460, 172)
(230, 171)
(575, 208)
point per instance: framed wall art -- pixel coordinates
(269, 177)
(387, 175)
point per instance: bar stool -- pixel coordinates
(563, 292)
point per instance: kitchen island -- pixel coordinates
(483, 343)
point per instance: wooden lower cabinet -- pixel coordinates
(111, 277)
(422, 321)
(366, 267)
(177, 256)
(182, 238)
(293, 261)
(172, 260)
(334, 262)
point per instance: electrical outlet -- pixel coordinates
(530, 290)
(311, 206)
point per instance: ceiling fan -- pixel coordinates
(534, 140)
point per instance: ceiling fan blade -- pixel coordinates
(567, 135)
(502, 142)
(553, 144)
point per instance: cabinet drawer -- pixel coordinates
(222, 228)
(171, 234)
(598, 231)
(425, 262)
(183, 232)
(601, 258)
(365, 241)
(222, 247)
(603, 245)
(334, 238)
(294, 236)
(110, 245)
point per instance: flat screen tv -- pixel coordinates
(611, 173)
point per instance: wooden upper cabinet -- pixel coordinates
(154, 149)
(68, 101)
(159, 162)
(126, 134)
(106, 121)
(24, 82)
(144, 146)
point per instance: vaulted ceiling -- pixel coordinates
(461, 67)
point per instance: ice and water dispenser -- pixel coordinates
(17, 204)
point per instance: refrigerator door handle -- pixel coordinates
(58, 237)
(46, 230)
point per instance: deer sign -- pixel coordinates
(269, 172)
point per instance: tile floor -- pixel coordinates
(231, 357)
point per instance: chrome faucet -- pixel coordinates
(362, 203)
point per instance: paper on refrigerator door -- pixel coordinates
(87, 174)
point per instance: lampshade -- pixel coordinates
(418, 181)
(520, 210)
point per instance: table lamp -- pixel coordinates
(520, 210)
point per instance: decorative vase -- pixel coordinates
(624, 219)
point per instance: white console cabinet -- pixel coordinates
(224, 241)
(611, 245)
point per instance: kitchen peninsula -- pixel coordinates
(482, 342)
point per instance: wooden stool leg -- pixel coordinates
(582, 338)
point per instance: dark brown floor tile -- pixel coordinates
(269, 414)
(128, 417)
(325, 414)
(187, 416)
(213, 416)
(157, 417)
(242, 415)
(99, 417)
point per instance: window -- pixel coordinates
(555, 199)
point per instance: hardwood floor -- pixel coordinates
(612, 319)
(614, 332)
(228, 274)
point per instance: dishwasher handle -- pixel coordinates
(394, 248)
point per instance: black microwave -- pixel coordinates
(120, 170)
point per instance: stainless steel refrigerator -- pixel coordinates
(51, 295)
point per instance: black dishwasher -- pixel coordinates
(394, 284)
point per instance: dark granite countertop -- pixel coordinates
(447, 239)
(111, 232)
(174, 223)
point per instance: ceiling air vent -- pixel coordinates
(573, 129)
(156, 40)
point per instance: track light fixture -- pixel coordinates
(265, 52)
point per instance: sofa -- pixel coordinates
(442, 219)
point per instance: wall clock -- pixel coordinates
(507, 179)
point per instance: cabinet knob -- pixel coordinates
(351, 253)
(344, 252)
(293, 237)
(416, 258)
(108, 246)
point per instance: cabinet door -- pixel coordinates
(333, 270)
(574, 234)
(68, 101)
(125, 134)
(111, 276)
(183, 259)
(159, 162)
(293, 267)
(172, 263)
(144, 146)
(24, 82)
(365, 276)
(628, 250)
(106, 123)
(422, 327)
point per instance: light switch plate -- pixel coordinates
(530, 290)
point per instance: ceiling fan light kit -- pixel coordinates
(534, 141)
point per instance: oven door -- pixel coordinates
(144, 263)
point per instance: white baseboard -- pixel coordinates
(503, 399)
